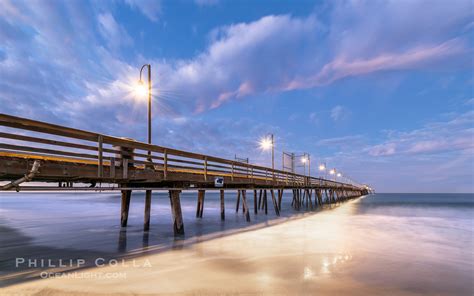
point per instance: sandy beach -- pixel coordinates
(332, 252)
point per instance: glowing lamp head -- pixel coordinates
(140, 90)
(339, 174)
(332, 172)
(304, 160)
(265, 143)
(322, 167)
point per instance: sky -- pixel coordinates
(380, 90)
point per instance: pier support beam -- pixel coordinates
(238, 202)
(245, 205)
(275, 204)
(255, 210)
(200, 203)
(222, 206)
(293, 202)
(146, 222)
(125, 206)
(265, 202)
(280, 196)
(309, 193)
(177, 216)
(318, 197)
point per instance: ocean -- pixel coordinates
(381, 243)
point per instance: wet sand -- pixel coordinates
(332, 252)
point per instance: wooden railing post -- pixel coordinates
(205, 168)
(165, 164)
(112, 167)
(232, 171)
(100, 168)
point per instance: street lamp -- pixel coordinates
(141, 90)
(333, 172)
(306, 160)
(322, 168)
(267, 143)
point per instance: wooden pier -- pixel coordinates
(69, 158)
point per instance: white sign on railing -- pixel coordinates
(219, 182)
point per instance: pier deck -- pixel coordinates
(42, 152)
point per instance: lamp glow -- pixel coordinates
(140, 90)
(265, 143)
(332, 172)
(339, 174)
(322, 167)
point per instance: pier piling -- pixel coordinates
(222, 206)
(125, 206)
(200, 203)
(177, 216)
(146, 223)
(275, 204)
(238, 202)
(255, 210)
(245, 206)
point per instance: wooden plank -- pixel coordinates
(46, 151)
(47, 141)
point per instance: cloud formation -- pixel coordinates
(150, 8)
(281, 53)
(81, 63)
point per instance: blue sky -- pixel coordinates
(381, 90)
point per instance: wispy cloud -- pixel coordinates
(450, 136)
(150, 8)
(114, 34)
(350, 140)
(339, 113)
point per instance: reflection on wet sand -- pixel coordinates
(332, 252)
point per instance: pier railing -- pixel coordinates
(27, 138)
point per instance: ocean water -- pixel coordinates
(405, 243)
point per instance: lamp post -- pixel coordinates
(273, 155)
(148, 66)
(322, 168)
(146, 224)
(267, 143)
(333, 172)
(306, 159)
